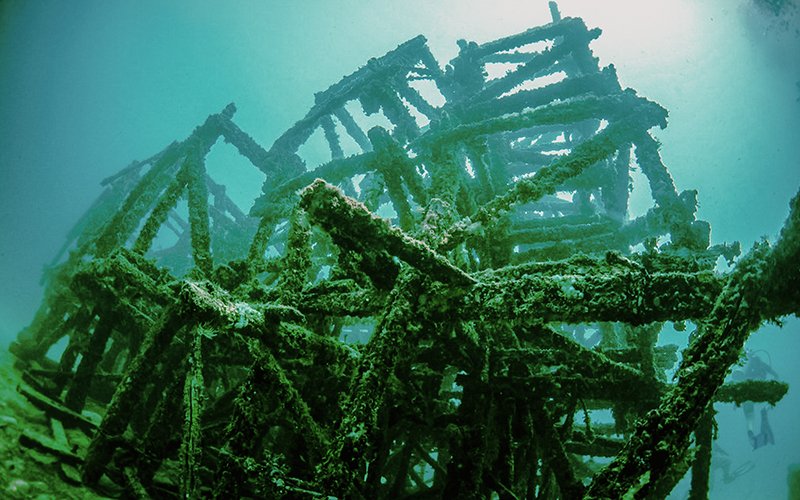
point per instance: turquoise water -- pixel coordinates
(87, 87)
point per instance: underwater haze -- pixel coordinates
(87, 87)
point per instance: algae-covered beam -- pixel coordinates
(477, 154)
(472, 447)
(632, 115)
(164, 422)
(349, 221)
(160, 213)
(553, 451)
(618, 294)
(760, 391)
(79, 385)
(345, 464)
(297, 261)
(701, 467)
(352, 128)
(111, 280)
(75, 328)
(379, 72)
(205, 302)
(255, 255)
(56, 410)
(265, 390)
(562, 381)
(610, 262)
(275, 166)
(91, 224)
(141, 199)
(134, 486)
(405, 126)
(224, 202)
(563, 232)
(329, 129)
(389, 163)
(138, 201)
(591, 363)
(118, 413)
(191, 452)
(414, 98)
(526, 161)
(30, 438)
(508, 57)
(549, 31)
(341, 298)
(596, 446)
(546, 180)
(548, 439)
(661, 184)
(276, 204)
(198, 211)
(538, 64)
(661, 220)
(748, 298)
(131, 170)
(612, 107)
(296, 409)
(615, 189)
(403, 58)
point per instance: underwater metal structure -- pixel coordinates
(496, 309)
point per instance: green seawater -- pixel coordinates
(88, 87)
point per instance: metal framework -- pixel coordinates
(456, 349)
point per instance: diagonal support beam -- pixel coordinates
(350, 223)
(749, 298)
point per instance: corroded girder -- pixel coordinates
(468, 365)
(762, 391)
(341, 298)
(348, 221)
(611, 294)
(347, 459)
(141, 199)
(747, 299)
(198, 303)
(641, 113)
(603, 82)
(125, 398)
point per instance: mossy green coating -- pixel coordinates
(767, 391)
(198, 212)
(118, 412)
(701, 467)
(193, 401)
(353, 447)
(328, 207)
(441, 353)
(119, 228)
(297, 262)
(600, 293)
(740, 308)
(160, 213)
(78, 388)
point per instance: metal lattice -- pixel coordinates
(457, 348)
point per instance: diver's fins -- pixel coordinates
(740, 471)
(764, 437)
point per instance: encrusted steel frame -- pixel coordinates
(224, 365)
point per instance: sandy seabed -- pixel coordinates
(27, 470)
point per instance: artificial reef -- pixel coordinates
(457, 347)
